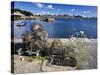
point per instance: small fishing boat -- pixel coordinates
(80, 34)
(21, 24)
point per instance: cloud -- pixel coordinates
(43, 12)
(48, 13)
(50, 7)
(58, 9)
(86, 12)
(83, 15)
(72, 9)
(40, 5)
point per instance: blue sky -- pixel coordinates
(49, 8)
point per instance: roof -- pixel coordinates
(18, 14)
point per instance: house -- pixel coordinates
(17, 15)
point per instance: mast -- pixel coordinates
(73, 27)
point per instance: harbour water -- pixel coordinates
(60, 28)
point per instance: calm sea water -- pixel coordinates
(60, 28)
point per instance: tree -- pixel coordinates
(26, 13)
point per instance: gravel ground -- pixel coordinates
(22, 65)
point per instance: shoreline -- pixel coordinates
(62, 39)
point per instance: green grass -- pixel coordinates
(39, 57)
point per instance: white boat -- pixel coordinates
(21, 24)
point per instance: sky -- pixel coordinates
(49, 8)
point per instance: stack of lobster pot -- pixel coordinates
(58, 55)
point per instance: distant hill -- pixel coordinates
(28, 13)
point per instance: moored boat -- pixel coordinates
(21, 24)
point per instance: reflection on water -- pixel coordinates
(60, 28)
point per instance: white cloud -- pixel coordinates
(40, 5)
(72, 9)
(48, 13)
(43, 12)
(50, 7)
(86, 12)
(83, 15)
(58, 9)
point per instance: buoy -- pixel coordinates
(81, 32)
